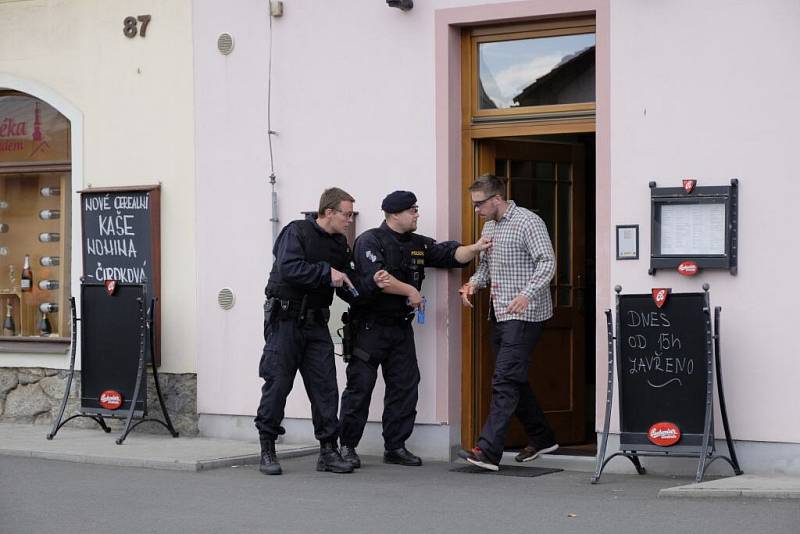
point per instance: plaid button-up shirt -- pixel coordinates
(520, 261)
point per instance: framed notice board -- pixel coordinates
(698, 225)
(121, 241)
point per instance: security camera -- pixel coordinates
(405, 5)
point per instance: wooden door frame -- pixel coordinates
(471, 135)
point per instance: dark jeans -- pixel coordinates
(513, 343)
(391, 348)
(291, 346)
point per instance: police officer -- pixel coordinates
(390, 264)
(310, 258)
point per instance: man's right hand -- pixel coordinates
(466, 291)
(338, 279)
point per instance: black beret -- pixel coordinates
(398, 201)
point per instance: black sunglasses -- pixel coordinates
(480, 203)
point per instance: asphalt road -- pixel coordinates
(44, 496)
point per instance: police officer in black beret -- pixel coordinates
(310, 259)
(390, 264)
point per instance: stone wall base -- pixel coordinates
(33, 395)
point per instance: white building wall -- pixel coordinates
(134, 99)
(707, 90)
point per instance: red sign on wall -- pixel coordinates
(688, 268)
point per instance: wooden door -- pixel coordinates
(549, 179)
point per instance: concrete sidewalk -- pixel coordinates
(92, 446)
(768, 487)
(138, 450)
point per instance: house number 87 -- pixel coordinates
(129, 26)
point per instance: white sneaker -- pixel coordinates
(530, 453)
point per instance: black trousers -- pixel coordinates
(291, 346)
(513, 343)
(391, 348)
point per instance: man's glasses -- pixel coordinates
(478, 203)
(413, 209)
(347, 214)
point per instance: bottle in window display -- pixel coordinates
(3, 228)
(50, 261)
(26, 280)
(44, 325)
(49, 215)
(50, 191)
(48, 307)
(48, 284)
(9, 327)
(49, 237)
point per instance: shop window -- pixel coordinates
(524, 70)
(35, 185)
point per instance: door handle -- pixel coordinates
(580, 292)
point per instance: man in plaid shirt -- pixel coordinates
(519, 266)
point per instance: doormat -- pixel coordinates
(507, 470)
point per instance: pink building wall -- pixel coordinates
(365, 97)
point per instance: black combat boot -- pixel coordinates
(269, 458)
(331, 460)
(401, 456)
(350, 455)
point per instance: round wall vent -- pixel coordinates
(225, 43)
(225, 298)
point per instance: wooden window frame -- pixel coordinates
(472, 38)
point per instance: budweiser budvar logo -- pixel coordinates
(688, 268)
(664, 434)
(111, 399)
(688, 184)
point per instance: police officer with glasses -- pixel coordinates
(310, 260)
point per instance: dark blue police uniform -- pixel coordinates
(296, 335)
(384, 335)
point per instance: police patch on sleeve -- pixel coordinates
(371, 257)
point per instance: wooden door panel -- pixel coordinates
(558, 362)
(550, 372)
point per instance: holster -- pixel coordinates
(348, 333)
(271, 306)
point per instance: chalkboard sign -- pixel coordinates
(667, 355)
(664, 359)
(115, 321)
(111, 326)
(121, 241)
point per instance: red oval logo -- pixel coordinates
(664, 434)
(688, 268)
(111, 399)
